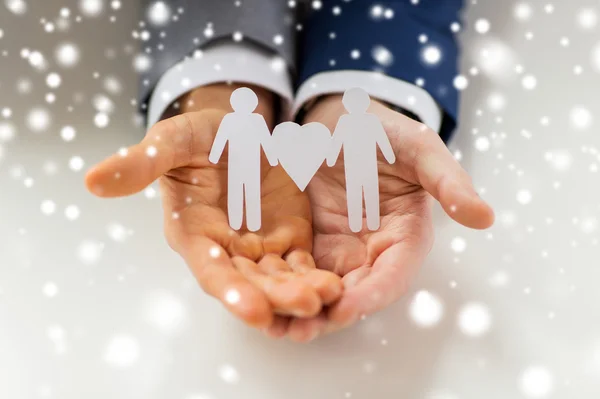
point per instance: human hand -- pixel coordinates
(259, 276)
(377, 267)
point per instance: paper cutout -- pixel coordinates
(245, 132)
(301, 151)
(360, 133)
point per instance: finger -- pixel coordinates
(294, 234)
(288, 296)
(436, 170)
(217, 276)
(248, 245)
(273, 265)
(327, 284)
(166, 146)
(279, 327)
(300, 261)
(372, 288)
(306, 330)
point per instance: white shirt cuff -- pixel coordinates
(385, 88)
(223, 62)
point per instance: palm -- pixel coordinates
(369, 257)
(195, 202)
(255, 274)
(378, 266)
(404, 215)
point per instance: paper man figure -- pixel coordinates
(246, 132)
(360, 133)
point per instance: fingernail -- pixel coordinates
(97, 189)
(313, 336)
(302, 313)
(268, 333)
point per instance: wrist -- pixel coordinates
(216, 96)
(332, 104)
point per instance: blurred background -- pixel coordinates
(94, 304)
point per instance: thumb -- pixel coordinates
(166, 146)
(436, 170)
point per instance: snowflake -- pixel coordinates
(426, 309)
(91, 8)
(76, 163)
(159, 13)
(67, 55)
(529, 82)
(101, 120)
(587, 18)
(458, 244)
(117, 232)
(474, 319)
(431, 55)
(18, 7)
(524, 197)
(523, 11)
(68, 133)
(122, 351)
(229, 374)
(89, 251)
(48, 207)
(53, 80)
(461, 82)
(72, 212)
(536, 382)
(232, 296)
(382, 55)
(581, 118)
(166, 312)
(482, 26)
(50, 289)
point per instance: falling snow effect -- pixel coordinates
(527, 135)
(76, 163)
(426, 309)
(382, 55)
(166, 312)
(536, 382)
(68, 133)
(122, 351)
(117, 232)
(229, 374)
(17, 7)
(67, 55)
(581, 118)
(432, 55)
(474, 319)
(90, 251)
(159, 13)
(91, 8)
(48, 207)
(38, 120)
(72, 212)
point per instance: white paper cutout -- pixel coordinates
(360, 133)
(245, 132)
(301, 151)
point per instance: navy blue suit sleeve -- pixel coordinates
(355, 28)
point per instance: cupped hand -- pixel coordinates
(259, 276)
(377, 267)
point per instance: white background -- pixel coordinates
(100, 307)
